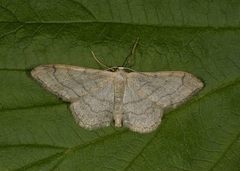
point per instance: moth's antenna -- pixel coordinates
(98, 61)
(132, 53)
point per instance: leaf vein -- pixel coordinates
(225, 151)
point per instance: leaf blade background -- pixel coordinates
(202, 37)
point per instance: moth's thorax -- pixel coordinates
(120, 74)
(119, 87)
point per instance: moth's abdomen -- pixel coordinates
(119, 87)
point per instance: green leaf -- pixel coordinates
(37, 130)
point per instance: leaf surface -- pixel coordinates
(37, 130)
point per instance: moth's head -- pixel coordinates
(120, 68)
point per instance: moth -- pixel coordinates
(136, 100)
